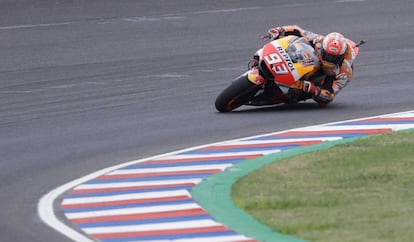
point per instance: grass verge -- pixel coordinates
(359, 191)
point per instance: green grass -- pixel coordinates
(359, 191)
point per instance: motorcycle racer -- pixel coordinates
(335, 55)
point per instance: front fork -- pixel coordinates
(273, 93)
(270, 92)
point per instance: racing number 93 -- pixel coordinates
(278, 66)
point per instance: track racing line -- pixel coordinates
(152, 199)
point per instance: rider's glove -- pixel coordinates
(253, 62)
(324, 97)
(308, 87)
(275, 33)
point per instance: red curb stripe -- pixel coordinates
(161, 232)
(131, 188)
(270, 144)
(141, 216)
(157, 174)
(388, 119)
(329, 132)
(195, 159)
(125, 202)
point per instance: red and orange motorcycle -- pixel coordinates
(283, 66)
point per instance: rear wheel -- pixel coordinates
(240, 92)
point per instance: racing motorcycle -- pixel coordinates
(283, 65)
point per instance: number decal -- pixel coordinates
(277, 63)
(273, 58)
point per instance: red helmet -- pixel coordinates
(333, 48)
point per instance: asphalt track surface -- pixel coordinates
(89, 84)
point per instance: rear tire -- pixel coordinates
(240, 92)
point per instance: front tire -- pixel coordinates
(240, 92)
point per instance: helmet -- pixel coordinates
(333, 48)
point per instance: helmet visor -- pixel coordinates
(335, 59)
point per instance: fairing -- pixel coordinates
(289, 59)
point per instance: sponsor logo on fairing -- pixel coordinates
(280, 61)
(286, 57)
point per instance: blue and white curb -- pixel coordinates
(150, 199)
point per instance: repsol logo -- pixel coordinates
(286, 57)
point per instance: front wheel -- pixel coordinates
(240, 92)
